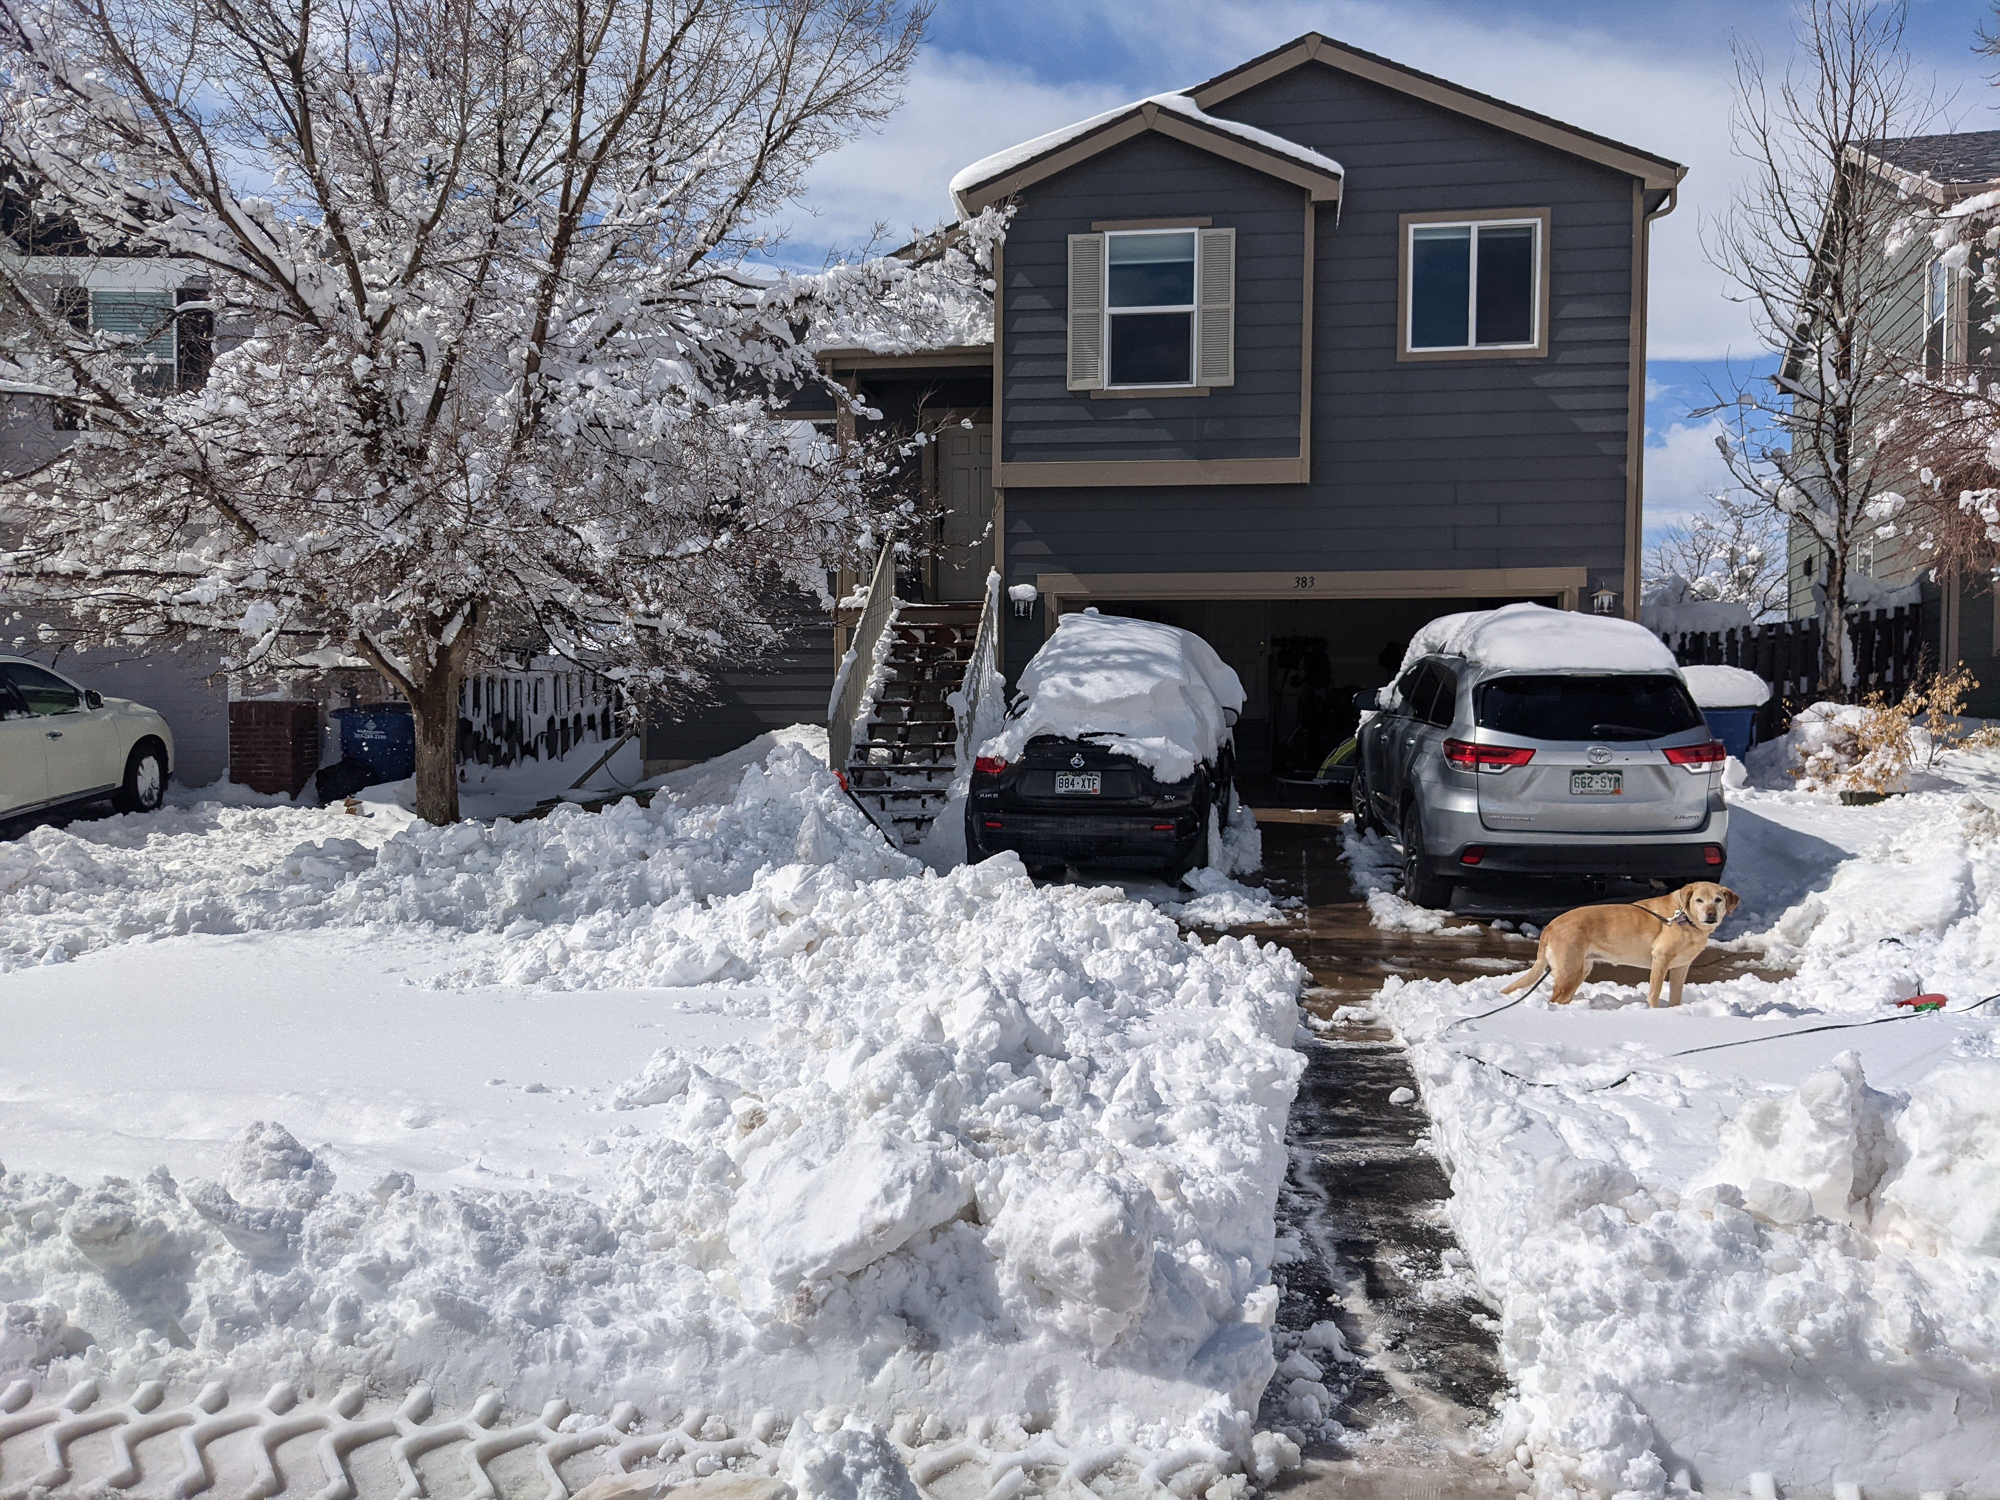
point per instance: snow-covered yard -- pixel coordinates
(1726, 1242)
(720, 1103)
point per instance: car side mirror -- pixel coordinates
(92, 698)
(1368, 700)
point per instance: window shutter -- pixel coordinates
(1086, 312)
(1215, 315)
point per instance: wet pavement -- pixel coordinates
(1363, 1212)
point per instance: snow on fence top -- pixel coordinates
(1533, 637)
(1156, 693)
(1002, 162)
(1726, 687)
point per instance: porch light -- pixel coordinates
(1605, 601)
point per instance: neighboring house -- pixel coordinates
(1298, 358)
(144, 297)
(1938, 321)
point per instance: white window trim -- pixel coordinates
(1536, 219)
(1192, 308)
(1953, 323)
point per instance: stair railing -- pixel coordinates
(851, 687)
(973, 703)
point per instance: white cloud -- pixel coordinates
(1683, 469)
(1668, 93)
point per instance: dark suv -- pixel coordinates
(1072, 802)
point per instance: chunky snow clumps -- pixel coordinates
(1003, 1150)
(1781, 1258)
(1154, 692)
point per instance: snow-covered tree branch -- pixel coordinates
(1807, 244)
(500, 361)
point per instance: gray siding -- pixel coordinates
(1415, 464)
(788, 686)
(1146, 178)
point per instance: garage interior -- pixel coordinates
(1302, 661)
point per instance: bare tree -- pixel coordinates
(1731, 553)
(1807, 245)
(505, 364)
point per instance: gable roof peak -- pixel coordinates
(1655, 171)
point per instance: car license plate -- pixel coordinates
(1090, 783)
(1597, 783)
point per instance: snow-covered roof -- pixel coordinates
(1178, 103)
(1726, 687)
(1156, 693)
(1535, 638)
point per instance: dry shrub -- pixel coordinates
(1871, 746)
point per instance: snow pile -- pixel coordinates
(1154, 692)
(1779, 1257)
(1726, 687)
(1535, 638)
(1000, 1148)
(1674, 605)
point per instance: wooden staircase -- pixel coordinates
(900, 768)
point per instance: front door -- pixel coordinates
(80, 743)
(23, 754)
(965, 497)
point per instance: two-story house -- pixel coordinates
(1929, 317)
(143, 297)
(1298, 358)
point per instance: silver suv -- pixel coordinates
(1484, 774)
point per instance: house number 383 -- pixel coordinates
(1305, 581)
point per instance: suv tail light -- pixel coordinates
(988, 765)
(1711, 854)
(1490, 758)
(1698, 758)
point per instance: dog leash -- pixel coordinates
(1632, 1072)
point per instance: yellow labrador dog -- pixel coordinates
(1664, 934)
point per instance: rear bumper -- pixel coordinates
(1082, 838)
(1681, 860)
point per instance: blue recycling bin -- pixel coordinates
(382, 736)
(1735, 727)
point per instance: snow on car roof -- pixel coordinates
(1154, 692)
(1726, 687)
(1533, 637)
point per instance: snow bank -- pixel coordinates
(1726, 687)
(1154, 692)
(1672, 606)
(1535, 638)
(1774, 1258)
(1001, 1149)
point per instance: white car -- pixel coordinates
(62, 745)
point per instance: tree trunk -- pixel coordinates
(434, 706)
(1833, 631)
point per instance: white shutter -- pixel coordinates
(1215, 309)
(1086, 312)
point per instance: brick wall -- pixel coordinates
(273, 746)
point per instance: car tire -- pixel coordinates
(1421, 887)
(1365, 821)
(145, 787)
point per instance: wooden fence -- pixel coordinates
(504, 717)
(1893, 649)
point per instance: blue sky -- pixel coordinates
(1656, 74)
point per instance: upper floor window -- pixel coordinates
(1152, 308)
(171, 346)
(1150, 303)
(1944, 305)
(1474, 284)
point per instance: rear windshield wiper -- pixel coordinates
(1624, 731)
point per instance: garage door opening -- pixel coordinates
(1302, 661)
